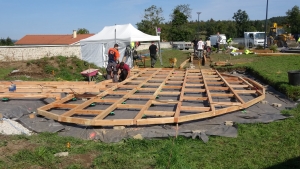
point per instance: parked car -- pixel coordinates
(182, 45)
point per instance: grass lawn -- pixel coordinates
(271, 70)
(274, 146)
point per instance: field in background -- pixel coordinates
(274, 145)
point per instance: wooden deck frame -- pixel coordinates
(203, 85)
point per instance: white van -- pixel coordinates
(213, 39)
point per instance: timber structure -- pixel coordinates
(149, 96)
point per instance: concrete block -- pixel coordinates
(61, 154)
(229, 123)
(119, 127)
(264, 102)
(276, 104)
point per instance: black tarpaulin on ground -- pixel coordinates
(198, 129)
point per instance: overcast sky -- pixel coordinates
(22, 17)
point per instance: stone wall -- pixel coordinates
(19, 53)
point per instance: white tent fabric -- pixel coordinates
(95, 48)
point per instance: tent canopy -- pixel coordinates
(94, 49)
(126, 33)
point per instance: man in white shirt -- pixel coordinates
(200, 48)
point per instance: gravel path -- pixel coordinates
(10, 127)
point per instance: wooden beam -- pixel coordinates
(212, 107)
(232, 90)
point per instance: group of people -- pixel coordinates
(200, 46)
(116, 69)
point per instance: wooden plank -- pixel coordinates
(232, 90)
(194, 98)
(222, 94)
(169, 93)
(148, 104)
(239, 86)
(130, 106)
(46, 83)
(245, 91)
(69, 106)
(159, 113)
(104, 100)
(88, 102)
(194, 90)
(29, 95)
(112, 122)
(142, 111)
(162, 120)
(217, 88)
(112, 107)
(164, 102)
(88, 112)
(198, 109)
(51, 105)
(226, 103)
(209, 98)
(171, 87)
(48, 114)
(135, 96)
(194, 85)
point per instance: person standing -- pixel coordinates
(219, 38)
(298, 42)
(200, 45)
(153, 56)
(125, 71)
(207, 47)
(195, 43)
(113, 59)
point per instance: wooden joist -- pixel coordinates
(190, 90)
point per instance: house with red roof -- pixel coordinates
(71, 39)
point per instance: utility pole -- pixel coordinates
(266, 25)
(198, 24)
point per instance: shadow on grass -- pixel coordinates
(293, 163)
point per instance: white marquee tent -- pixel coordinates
(95, 48)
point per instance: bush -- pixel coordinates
(273, 48)
(48, 69)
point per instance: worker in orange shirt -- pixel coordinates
(113, 60)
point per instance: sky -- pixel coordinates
(56, 17)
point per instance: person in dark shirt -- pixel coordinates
(195, 45)
(125, 71)
(153, 51)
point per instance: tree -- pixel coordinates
(82, 31)
(293, 17)
(185, 9)
(2, 42)
(9, 42)
(152, 18)
(179, 31)
(242, 22)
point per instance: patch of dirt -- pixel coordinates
(35, 75)
(85, 160)
(10, 146)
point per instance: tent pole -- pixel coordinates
(115, 34)
(160, 57)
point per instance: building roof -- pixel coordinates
(51, 39)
